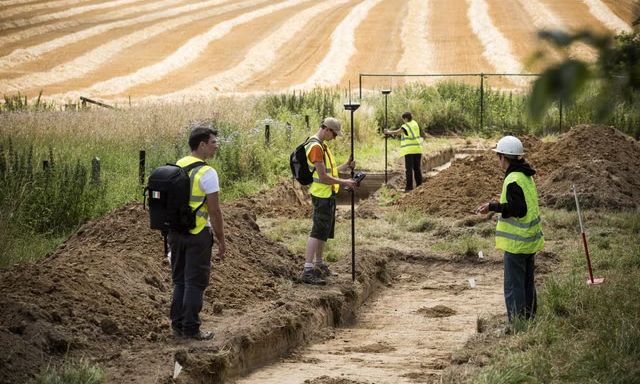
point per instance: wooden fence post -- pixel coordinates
(267, 134)
(95, 170)
(141, 164)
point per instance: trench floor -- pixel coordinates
(405, 334)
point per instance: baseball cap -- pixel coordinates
(333, 124)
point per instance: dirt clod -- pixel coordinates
(437, 311)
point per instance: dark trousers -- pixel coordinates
(412, 170)
(190, 267)
(519, 285)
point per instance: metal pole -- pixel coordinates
(560, 116)
(352, 107)
(386, 93)
(481, 101)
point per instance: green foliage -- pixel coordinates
(40, 206)
(81, 372)
(320, 101)
(582, 333)
(48, 201)
(424, 224)
(616, 76)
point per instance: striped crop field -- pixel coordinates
(177, 49)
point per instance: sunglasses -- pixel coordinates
(332, 131)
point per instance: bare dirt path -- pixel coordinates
(404, 335)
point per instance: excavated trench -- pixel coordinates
(406, 332)
(431, 165)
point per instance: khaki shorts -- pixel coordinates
(324, 217)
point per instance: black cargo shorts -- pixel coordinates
(324, 217)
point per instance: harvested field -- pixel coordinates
(172, 49)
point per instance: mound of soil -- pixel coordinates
(603, 163)
(109, 284)
(458, 190)
(108, 289)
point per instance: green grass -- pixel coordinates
(582, 334)
(464, 245)
(80, 372)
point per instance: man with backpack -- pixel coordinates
(323, 190)
(191, 250)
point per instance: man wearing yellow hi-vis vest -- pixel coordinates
(518, 232)
(191, 251)
(411, 149)
(323, 190)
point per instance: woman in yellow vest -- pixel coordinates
(411, 149)
(518, 232)
(323, 190)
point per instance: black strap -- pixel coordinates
(191, 166)
(166, 247)
(324, 154)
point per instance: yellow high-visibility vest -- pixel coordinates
(524, 234)
(410, 141)
(197, 194)
(317, 188)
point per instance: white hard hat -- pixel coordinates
(509, 145)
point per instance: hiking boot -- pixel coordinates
(206, 335)
(310, 277)
(322, 271)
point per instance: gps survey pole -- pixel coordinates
(352, 107)
(386, 93)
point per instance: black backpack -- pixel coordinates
(299, 165)
(169, 192)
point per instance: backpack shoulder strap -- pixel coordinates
(191, 166)
(188, 169)
(311, 139)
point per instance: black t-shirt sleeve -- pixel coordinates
(516, 205)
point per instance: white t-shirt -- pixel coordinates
(209, 181)
(209, 184)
